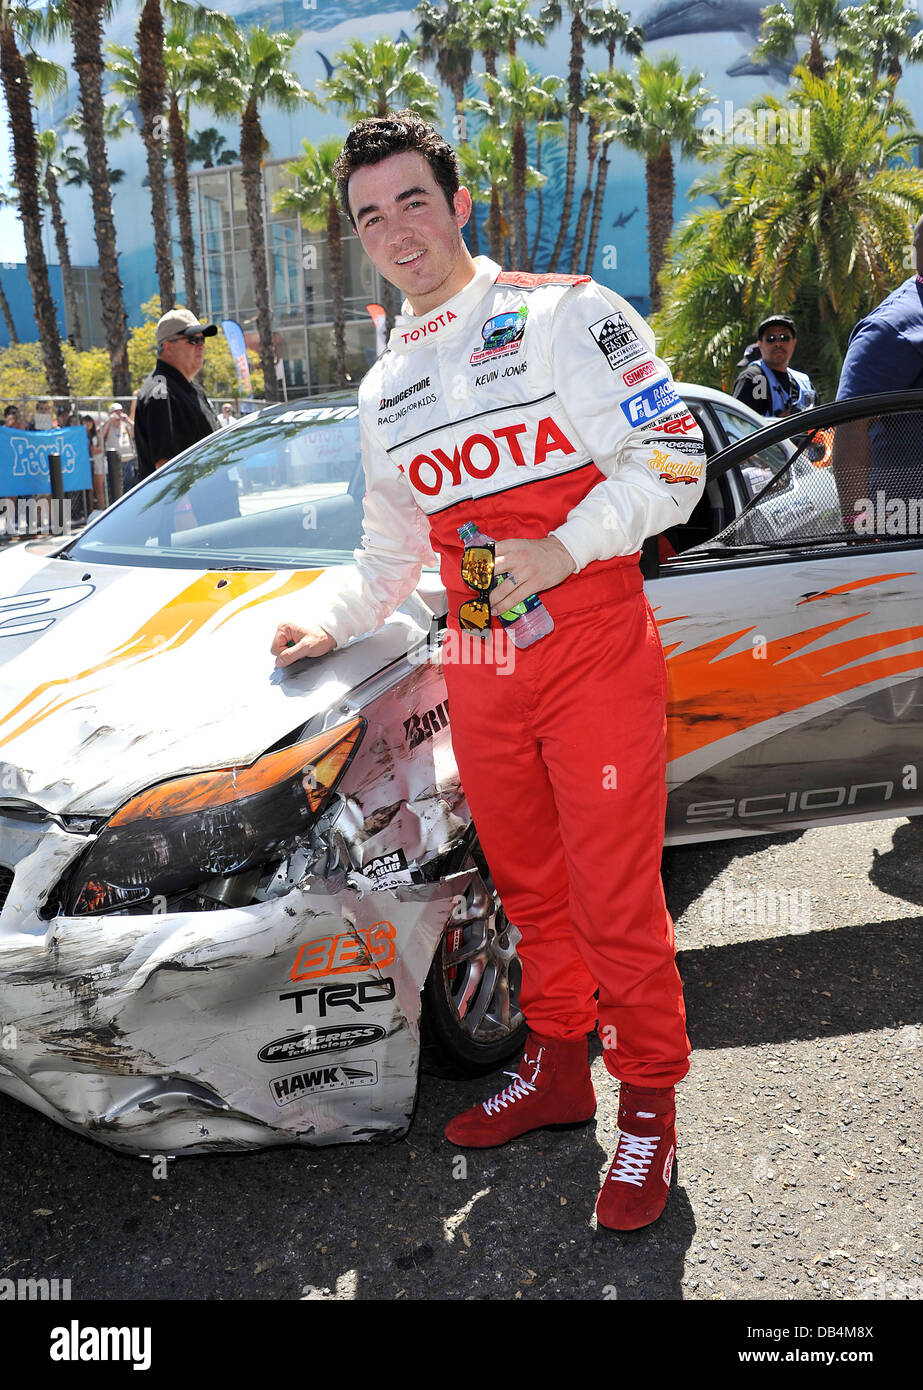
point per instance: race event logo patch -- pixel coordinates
(316, 1040)
(616, 340)
(501, 335)
(285, 1089)
(650, 403)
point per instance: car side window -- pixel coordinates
(762, 467)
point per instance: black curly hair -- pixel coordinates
(379, 137)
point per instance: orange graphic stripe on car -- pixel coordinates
(854, 584)
(300, 580)
(167, 629)
(713, 696)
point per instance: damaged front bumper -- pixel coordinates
(290, 1020)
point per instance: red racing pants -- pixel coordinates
(561, 750)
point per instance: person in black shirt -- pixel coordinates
(769, 385)
(172, 411)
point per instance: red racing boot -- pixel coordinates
(638, 1183)
(551, 1090)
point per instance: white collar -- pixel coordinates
(415, 331)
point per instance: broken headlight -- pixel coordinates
(170, 838)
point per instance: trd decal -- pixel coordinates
(353, 997)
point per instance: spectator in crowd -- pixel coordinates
(226, 415)
(118, 434)
(885, 353)
(770, 386)
(98, 460)
(12, 418)
(172, 411)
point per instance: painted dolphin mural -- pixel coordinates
(670, 18)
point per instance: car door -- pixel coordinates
(794, 637)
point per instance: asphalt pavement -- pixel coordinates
(798, 1137)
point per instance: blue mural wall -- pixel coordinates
(716, 37)
(19, 297)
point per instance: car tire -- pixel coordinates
(471, 1022)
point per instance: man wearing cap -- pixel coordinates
(770, 386)
(172, 411)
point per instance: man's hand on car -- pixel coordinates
(293, 643)
(534, 565)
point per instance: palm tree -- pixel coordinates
(551, 14)
(52, 170)
(485, 164)
(154, 77)
(316, 203)
(445, 41)
(142, 76)
(612, 27)
(820, 232)
(877, 35)
(18, 23)
(508, 107)
(152, 89)
(820, 20)
(545, 110)
(8, 318)
(206, 148)
(86, 21)
(373, 79)
(649, 112)
(239, 75)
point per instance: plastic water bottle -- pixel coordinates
(529, 619)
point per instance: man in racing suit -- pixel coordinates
(535, 407)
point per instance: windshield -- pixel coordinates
(281, 491)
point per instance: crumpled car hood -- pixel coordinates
(114, 678)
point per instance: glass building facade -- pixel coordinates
(299, 278)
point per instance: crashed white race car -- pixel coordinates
(236, 903)
(228, 892)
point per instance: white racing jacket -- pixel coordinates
(531, 405)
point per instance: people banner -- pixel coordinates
(24, 460)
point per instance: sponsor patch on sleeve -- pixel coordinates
(654, 400)
(639, 373)
(617, 340)
(670, 469)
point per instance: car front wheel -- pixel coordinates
(471, 1020)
